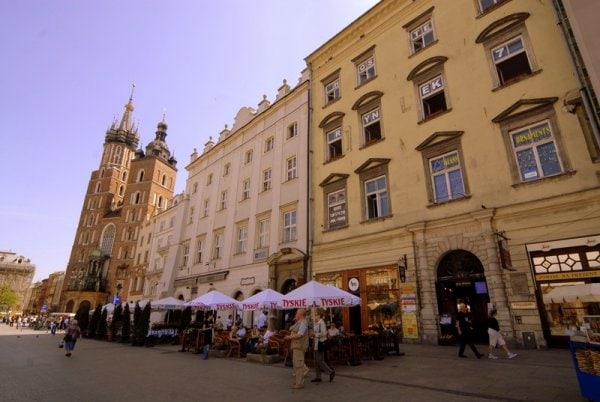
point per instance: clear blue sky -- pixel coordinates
(66, 69)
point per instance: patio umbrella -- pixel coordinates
(109, 307)
(315, 294)
(213, 300)
(267, 298)
(168, 303)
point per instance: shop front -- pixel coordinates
(567, 278)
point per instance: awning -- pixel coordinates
(589, 292)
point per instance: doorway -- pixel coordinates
(460, 277)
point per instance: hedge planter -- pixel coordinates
(264, 359)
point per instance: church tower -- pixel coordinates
(127, 189)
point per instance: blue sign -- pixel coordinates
(44, 308)
(116, 300)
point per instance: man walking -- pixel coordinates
(464, 327)
(299, 344)
(320, 331)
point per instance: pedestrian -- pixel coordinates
(53, 326)
(207, 331)
(496, 337)
(464, 327)
(320, 348)
(71, 336)
(299, 343)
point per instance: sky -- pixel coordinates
(67, 69)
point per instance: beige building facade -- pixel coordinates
(448, 165)
(16, 272)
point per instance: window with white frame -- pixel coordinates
(269, 144)
(266, 184)
(331, 88)
(365, 70)
(242, 239)
(422, 36)
(199, 249)
(205, 208)
(376, 198)
(336, 209)
(484, 5)
(185, 255)
(246, 189)
(511, 61)
(446, 177)
(292, 172)
(292, 130)
(223, 202)
(371, 125)
(264, 227)
(218, 246)
(289, 226)
(433, 98)
(334, 144)
(248, 156)
(535, 151)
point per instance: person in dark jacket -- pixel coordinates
(464, 328)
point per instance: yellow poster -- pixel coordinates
(410, 329)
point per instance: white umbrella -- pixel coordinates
(213, 300)
(267, 298)
(109, 307)
(168, 303)
(315, 294)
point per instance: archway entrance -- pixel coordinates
(460, 277)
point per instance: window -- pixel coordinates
(140, 176)
(191, 218)
(376, 198)
(246, 189)
(117, 156)
(334, 144)
(446, 177)
(209, 179)
(422, 36)
(223, 203)
(336, 209)
(535, 151)
(269, 143)
(227, 169)
(218, 247)
(291, 168)
(248, 156)
(205, 208)
(242, 239)
(292, 130)
(486, 4)
(194, 188)
(108, 238)
(366, 70)
(433, 99)
(199, 250)
(185, 255)
(331, 88)
(263, 233)
(510, 59)
(163, 180)
(371, 126)
(289, 226)
(266, 180)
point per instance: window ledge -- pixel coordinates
(414, 54)
(371, 143)
(378, 219)
(366, 82)
(333, 159)
(431, 117)
(516, 80)
(559, 176)
(331, 103)
(334, 229)
(433, 204)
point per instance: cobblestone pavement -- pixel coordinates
(33, 368)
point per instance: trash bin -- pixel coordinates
(529, 340)
(586, 358)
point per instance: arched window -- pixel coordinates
(108, 238)
(97, 187)
(121, 190)
(117, 156)
(124, 176)
(140, 175)
(164, 179)
(160, 201)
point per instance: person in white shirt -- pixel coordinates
(332, 332)
(320, 347)
(262, 320)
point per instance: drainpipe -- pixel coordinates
(309, 200)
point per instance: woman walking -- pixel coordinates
(73, 333)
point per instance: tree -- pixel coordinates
(83, 316)
(137, 316)
(8, 297)
(93, 327)
(102, 327)
(126, 329)
(143, 325)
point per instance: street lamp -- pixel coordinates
(402, 265)
(117, 297)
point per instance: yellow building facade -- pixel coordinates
(451, 162)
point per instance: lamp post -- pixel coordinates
(117, 299)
